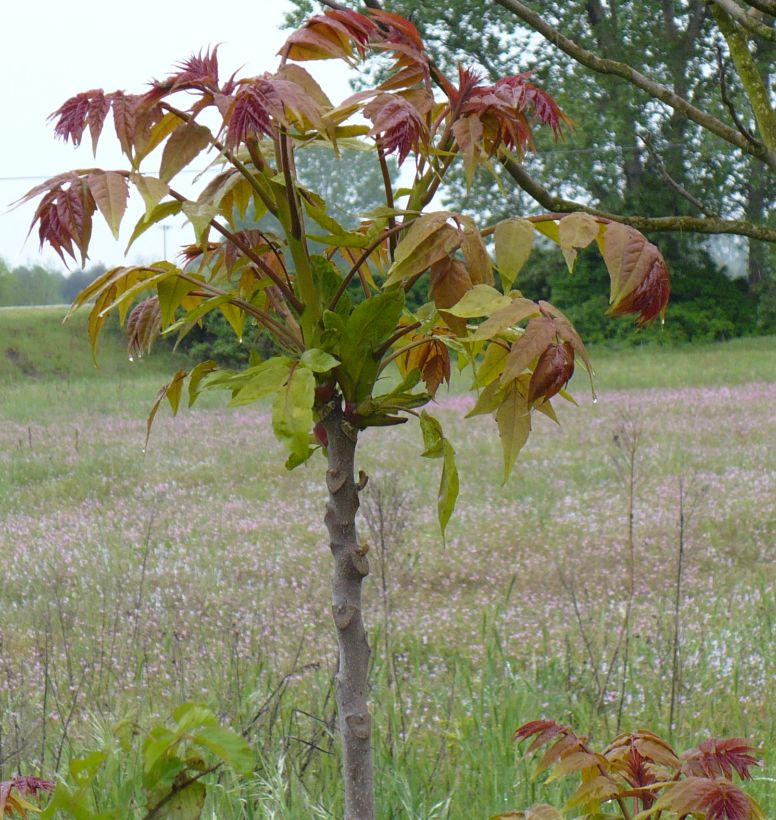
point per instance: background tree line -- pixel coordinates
(631, 154)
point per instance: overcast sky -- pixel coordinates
(52, 50)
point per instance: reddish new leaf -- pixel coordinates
(552, 372)
(334, 34)
(124, 107)
(88, 108)
(449, 281)
(638, 273)
(713, 799)
(720, 757)
(399, 122)
(143, 325)
(431, 358)
(543, 730)
(534, 340)
(64, 214)
(198, 72)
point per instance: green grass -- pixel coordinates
(199, 570)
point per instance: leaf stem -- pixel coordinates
(283, 333)
(402, 331)
(255, 258)
(368, 251)
(401, 351)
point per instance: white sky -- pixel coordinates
(53, 50)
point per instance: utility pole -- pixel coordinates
(165, 228)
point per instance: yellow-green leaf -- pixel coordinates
(429, 239)
(292, 414)
(200, 216)
(507, 316)
(514, 242)
(152, 190)
(513, 418)
(264, 380)
(576, 230)
(481, 300)
(156, 214)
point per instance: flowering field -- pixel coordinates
(199, 570)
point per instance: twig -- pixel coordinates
(723, 90)
(679, 188)
(177, 788)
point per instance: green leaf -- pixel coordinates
(195, 378)
(109, 190)
(172, 291)
(185, 143)
(186, 804)
(488, 401)
(228, 746)
(368, 327)
(318, 360)
(491, 366)
(437, 446)
(481, 300)
(265, 379)
(235, 316)
(191, 716)
(432, 436)
(157, 743)
(513, 418)
(292, 414)
(514, 241)
(172, 391)
(150, 219)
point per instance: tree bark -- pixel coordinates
(350, 569)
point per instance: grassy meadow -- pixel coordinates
(198, 570)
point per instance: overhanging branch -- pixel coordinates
(747, 20)
(686, 224)
(636, 78)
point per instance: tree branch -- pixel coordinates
(765, 6)
(628, 73)
(747, 20)
(726, 98)
(255, 258)
(693, 224)
(749, 74)
(680, 189)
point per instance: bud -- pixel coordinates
(552, 373)
(319, 431)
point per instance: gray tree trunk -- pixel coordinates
(350, 569)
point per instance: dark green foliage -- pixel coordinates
(705, 304)
(215, 339)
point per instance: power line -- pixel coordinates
(548, 152)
